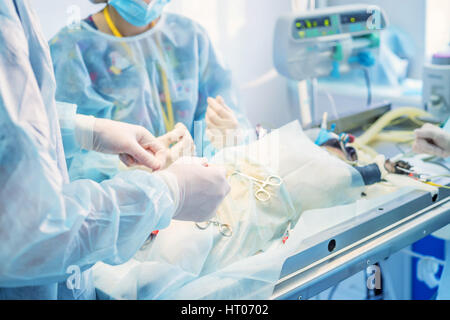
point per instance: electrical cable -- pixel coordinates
(332, 292)
(431, 160)
(368, 86)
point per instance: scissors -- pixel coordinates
(261, 193)
(224, 229)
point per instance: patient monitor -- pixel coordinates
(326, 42)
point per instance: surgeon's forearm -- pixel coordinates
(84, 131)
(78, 125)
(50, 226)
(77, 130)
(87, 222)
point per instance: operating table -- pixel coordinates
(327, 258)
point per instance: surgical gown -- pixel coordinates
(122, 79)
(52, 230)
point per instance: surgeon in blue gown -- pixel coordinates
(53, 231)
(133, 62)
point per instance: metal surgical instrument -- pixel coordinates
(224, 229)
(261, 193)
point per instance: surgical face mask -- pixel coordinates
(138, 12)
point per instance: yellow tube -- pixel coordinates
(436, 185)
(395, 136)
(386, 119)
(374, 132)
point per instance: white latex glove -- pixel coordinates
(178, 144)
(432, 140)
(134, 144)
(199, 189)
(220, 116)
(222, 126)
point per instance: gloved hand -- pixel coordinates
(432, 140)
(219, 115)
(178, 144)
(199, 189)
(134, 144)
(222, 125)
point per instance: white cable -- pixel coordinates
(420, 256)
(334, 109)
(266, 77)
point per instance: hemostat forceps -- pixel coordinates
(224, 229)
(261, 193)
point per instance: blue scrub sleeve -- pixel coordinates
(75, 83)
(66, 116)
(48, 226)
